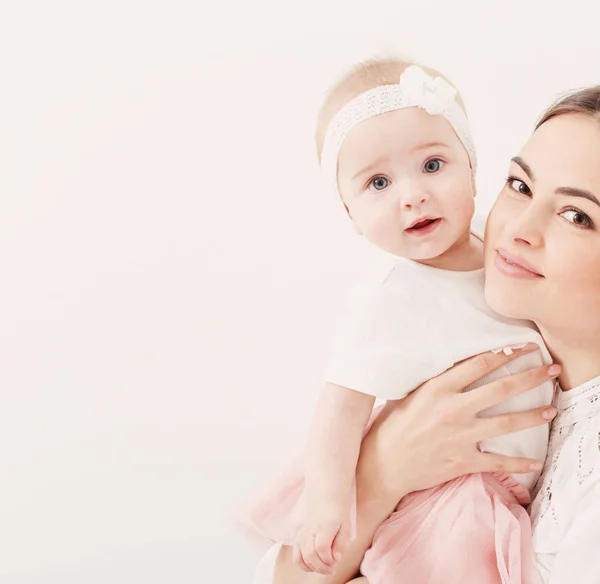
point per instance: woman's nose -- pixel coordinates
(526, 230)
(522, 240)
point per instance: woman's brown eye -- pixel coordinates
(577, 218)
(518, 185)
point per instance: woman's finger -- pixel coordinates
(505, 388)
(474, 368)
(488, 462)
(502, 424)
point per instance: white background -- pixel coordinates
(172, 267)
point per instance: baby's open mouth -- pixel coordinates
(423, 224)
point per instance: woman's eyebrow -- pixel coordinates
(526, 168)
(573, 192)
(567, 191)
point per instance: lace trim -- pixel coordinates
(583, 404)
(543, 492)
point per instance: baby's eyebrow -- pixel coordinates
(432, 144)
(370, 167)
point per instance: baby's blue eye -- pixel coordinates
(379, 183)
(433, 165)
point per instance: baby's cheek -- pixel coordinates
(463, 207)
(382, 231)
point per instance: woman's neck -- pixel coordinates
(579, 357)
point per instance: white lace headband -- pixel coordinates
(414, 89)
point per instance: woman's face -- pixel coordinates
(543, 235)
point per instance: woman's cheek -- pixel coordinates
(500, 214)
(577, 268)
(492, 228)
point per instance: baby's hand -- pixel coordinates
(321, 543)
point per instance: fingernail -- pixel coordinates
(531, 347)
(553, 370)
(510, 349)
(549, 413)
(536, 466)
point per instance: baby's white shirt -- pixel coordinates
(406, 322)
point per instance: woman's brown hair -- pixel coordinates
(586, 101)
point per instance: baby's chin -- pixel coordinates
(423, 252)
(423, 257)
(434, 254)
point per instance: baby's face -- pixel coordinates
(407, 182)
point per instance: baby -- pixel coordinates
(395, 145)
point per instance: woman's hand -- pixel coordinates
(432, 435)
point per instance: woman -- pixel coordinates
(542, 264)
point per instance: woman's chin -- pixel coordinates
(505, 302)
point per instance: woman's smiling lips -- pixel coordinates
(514, 266)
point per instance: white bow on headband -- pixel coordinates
(432, 93)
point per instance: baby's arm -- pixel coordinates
(334, 443)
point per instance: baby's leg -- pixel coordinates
(361, 580)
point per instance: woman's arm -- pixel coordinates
(426, 439)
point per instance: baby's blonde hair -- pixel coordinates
(363, 77)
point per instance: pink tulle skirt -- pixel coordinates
(472, 530)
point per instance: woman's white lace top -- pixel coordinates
(566, 510)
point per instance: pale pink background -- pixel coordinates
(171, 266)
